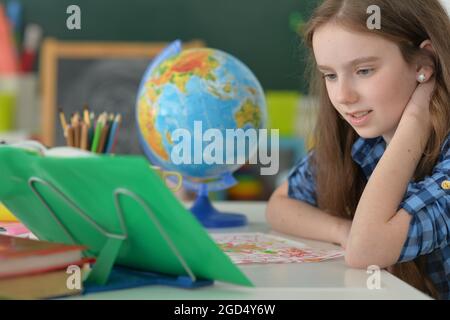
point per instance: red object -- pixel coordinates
(8, 56)
(27, 61)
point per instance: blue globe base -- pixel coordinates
(210, 217)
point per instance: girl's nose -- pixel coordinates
(346, 94)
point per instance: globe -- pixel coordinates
(196, 90)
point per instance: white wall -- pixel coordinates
(446, 4)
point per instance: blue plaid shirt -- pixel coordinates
(428, 201)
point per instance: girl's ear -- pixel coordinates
(426, 61)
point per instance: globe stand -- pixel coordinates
(211, 217)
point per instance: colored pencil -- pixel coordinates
(114, 134)
(86, 116)
(62, 118)
(70, 136)
(75, 121)
(97, 134)
(103, 137)
(84, 136)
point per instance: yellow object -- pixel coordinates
(163, 174)
(282, 111)
(5, 215)
(7, 107)
(445, 185)
(310, 143)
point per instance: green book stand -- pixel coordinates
(121, 210)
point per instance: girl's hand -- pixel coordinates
(419, 103)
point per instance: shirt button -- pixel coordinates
(445, 185)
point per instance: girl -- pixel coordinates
(377, 181)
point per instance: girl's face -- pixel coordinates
(364, 73)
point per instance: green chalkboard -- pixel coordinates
(261, 33)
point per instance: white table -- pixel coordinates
(324, 280)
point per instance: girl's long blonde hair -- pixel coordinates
(340, 181)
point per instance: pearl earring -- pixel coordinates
(421, 78)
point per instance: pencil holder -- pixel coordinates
(86, 133)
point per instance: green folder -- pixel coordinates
(115, 205)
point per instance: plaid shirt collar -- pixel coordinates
(367, 152)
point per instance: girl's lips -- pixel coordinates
(359, 121)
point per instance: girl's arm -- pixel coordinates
(300, 219)
(379, 230)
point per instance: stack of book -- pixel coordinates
(31, 269)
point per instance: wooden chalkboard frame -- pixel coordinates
(53, 50)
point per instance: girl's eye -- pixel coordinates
(365, 72)
(330, 77)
